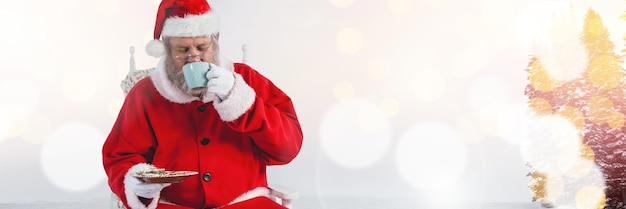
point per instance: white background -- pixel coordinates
(397, 98)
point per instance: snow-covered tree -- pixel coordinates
(576, 137)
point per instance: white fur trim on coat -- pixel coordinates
(165, 86)
(241, 98)
(230, 108)
(131, 198)
(256, 192)
(191, 25)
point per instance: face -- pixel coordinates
(183, 50)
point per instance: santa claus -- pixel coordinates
(226, 132)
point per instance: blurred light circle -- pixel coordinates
(17, 119)
(79, 86)
(39, 127)
(590, 197)
(71, 157)
(539, 106)
(431, 156)
(491, 119)
(400, 7)
(380, 68)
(486, 90)
(535, 21)
(390, 106)
(355, 133)
(343, 91)
(350, 40)
(341, 3)
(428, 85)
(549, 140)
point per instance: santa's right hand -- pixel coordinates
(145, 189)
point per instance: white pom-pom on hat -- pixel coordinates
(155, 48)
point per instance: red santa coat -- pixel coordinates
(228, 142)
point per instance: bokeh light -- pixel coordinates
(488, 89)
(556, 39)
(605, 72)
(490, 118)
(590, 197)
(79, 86)
(390, 106)
(39, 127)
(71, 159)
(400, 7)
(350, 40)
(431, 156)
(341, 3)
(17, 118)
(554, 188)
(534, 22)
(553, 139)
(599, 109)
(428, 85)
(343, 91)
(355, 122)
(540, 106)
(380, 68)
(573, 114)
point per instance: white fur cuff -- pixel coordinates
(240, 100)
(129, 185)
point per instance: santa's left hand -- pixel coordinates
(220, 81)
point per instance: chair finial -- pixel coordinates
(132, 59)
(244, 49)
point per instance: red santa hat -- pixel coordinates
(182, 18)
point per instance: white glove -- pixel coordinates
(220, 81)
(135, 188)
(145, 189)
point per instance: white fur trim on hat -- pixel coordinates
(155, 48)
(191, 25)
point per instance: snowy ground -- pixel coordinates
(301, 203)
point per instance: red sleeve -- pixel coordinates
(122, 150)
(271, 121)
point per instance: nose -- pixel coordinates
(194, 58)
